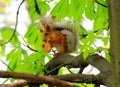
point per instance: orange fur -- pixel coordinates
(62, 35)
(52, 39)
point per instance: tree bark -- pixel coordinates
(114, 19)
(33, 78)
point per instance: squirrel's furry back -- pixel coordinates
(66, 27)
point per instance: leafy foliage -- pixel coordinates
(32, 61)
(6, 34)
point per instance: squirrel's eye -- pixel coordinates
(46, 33)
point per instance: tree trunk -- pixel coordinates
(114, 19)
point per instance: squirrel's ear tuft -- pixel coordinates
(41, 30)
(47, 28)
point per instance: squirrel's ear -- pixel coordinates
(41, 30)
(47, 28)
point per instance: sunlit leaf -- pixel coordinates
(85, 54)
(2, 41)
(89, 11)
(2, 50)
(101, 20)
(104, 2)
(91, 37)
(83, 31)
(107, 56)
(76, 9)
(106, 40)
(43, 7)
(33, 37)
(14, 58)
(61, 9)
(6, 34)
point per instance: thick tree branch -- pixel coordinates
(35, 78)
(79, 78)
(79, 62)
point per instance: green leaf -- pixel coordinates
(43, 7)
(101, 20)
(91, 37)
(2, 41)
(82, 31)
(33, 37)
(2, 50)
(32, 11)
(14, 57)
(61, 9)
(6, 34)
(102, 2)
(85, 54)
(62, 71)
(105, 40)
(91, 50)
(6, 80)
(76, 9)
(98, 23)
(102, 12)
(107, 56)
(85, 41)
(31, 2)
(89, 11)
(99, 49)
(38, 60)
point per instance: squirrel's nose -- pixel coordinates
(44, 40)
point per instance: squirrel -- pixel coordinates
(62, 35)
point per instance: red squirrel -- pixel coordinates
(61, 35)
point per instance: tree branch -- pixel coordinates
(79, 62)
(79, 78)
(35, 78)
(101, 4)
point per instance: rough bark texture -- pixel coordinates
(114, 17)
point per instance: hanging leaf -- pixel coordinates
(6, 34)
(43, 7)
(89, 11)
(61, 9)
(33, 37)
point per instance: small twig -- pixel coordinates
(55, 69)
(15, 24)
(69, 69)
(6, 65)
(28, 45)
(30, 48)
(101, 4)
